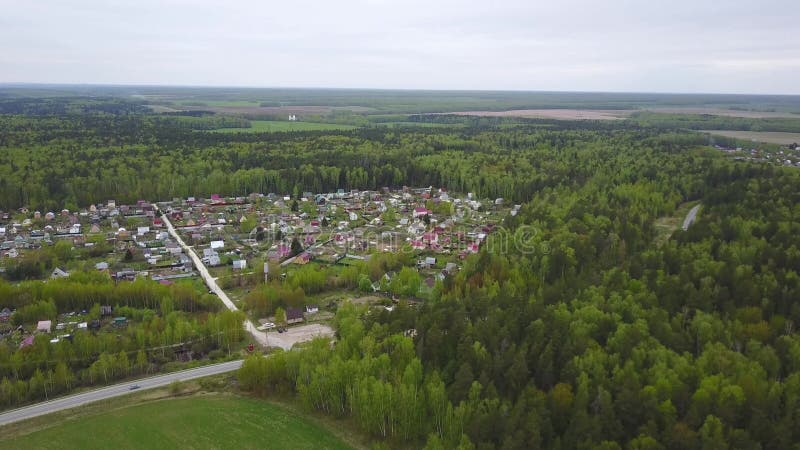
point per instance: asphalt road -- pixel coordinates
(116, 390)
(689, 220)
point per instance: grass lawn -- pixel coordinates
(205, 421)
(265, 126)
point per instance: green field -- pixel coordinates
(266, 126)
(212, 421)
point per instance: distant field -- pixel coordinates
(726, 112)
(265, 126)
(564, 114)
(223, 103)
(214, 421)
(417, 124)
(772, 137)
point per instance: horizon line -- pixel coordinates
(5, 84)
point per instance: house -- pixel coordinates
(27, 342)
(59, 273)
(430, 238)
(101, 266)
(44, 326)
(311, 309)
(120, 321)
(217, 244)
(419, 212)
(294, 315)
(106, 310)
(5, 314)
(240, 264)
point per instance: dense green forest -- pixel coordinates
(585, 332)
(576, 327)
(47, 163)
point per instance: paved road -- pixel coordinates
(116, 390)
(689, 220)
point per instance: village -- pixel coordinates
(257, 237)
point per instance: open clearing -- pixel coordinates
(294, 335)
(562, 114)
(771, 137)
(207, 421)
(667, 225)
(266, 126)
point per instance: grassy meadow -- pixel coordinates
(208, 421)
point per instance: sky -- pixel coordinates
(720, 46)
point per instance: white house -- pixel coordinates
(44, 326)
(59, 273)
(240, 264)
(217, 244)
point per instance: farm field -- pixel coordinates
(563, 114)
(212, 421)
(264, 126)
(771, 137)
(726, 112)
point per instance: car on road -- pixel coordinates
(134, 387)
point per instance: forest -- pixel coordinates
(581, 326)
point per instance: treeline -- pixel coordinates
(370, 375)
(149, 342)
(55, 106)
(80, 291)
(713, 122)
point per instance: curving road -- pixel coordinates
(116, 390)
(689, 220)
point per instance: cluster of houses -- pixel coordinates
(137, 242)
(331, 227)
(788, 156)
(66, 327)
(327, 227)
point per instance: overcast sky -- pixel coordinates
(729, 46)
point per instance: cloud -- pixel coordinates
(675, 46)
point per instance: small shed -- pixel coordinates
(44, 326)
